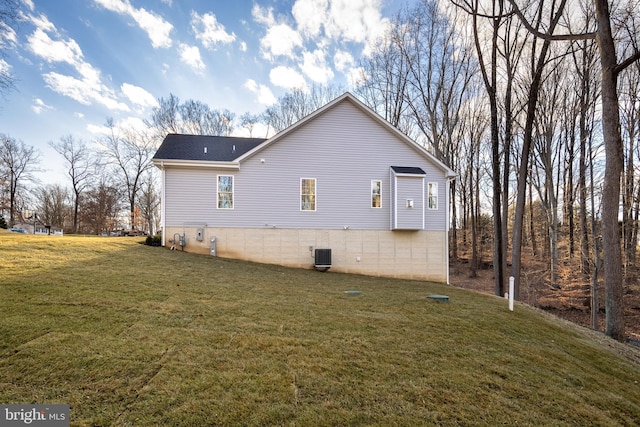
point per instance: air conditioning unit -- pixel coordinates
(322, 259)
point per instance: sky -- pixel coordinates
(79, 62)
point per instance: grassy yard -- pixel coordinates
(135, 335)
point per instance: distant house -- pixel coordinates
(342, 179)
(40, 228)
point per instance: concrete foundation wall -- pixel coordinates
(417, 255)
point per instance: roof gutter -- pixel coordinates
(164, 163)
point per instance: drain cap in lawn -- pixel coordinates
(439, 298)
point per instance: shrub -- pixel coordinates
(153, 240)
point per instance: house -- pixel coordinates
(342, 179)
(40, 228)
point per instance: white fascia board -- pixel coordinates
(160, 163)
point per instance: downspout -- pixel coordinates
(162, 206)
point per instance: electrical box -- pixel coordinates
(212, 246)
(200, 235)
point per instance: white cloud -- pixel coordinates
(190, 55)
(54, 50)
(358, 21)
(209, 31)
(126, 124)
(89, 87)
(287, 77)
(315, 66)
(39, 106)
(343, 60)
(138, 95)
(29, 4)
(84, 91)
(98, 129)
(5, 68)
(355, 76)
(132, 123)
(158, 30)
(280, 40)
(310, 16)
(265, 96)
(8, 36)
(263, 15)
(243, 46)
(259, 130)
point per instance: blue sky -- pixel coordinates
(80, 61)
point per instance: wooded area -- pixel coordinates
(535, 104)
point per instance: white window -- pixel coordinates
(376, 193)
(225, 192)
(307, 194)
(433, 195)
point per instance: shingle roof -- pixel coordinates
(408, 170)
(207, 148)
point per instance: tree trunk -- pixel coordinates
(582, 186)
(473, 201)
(76, 207)
(595, 302)
(532, 228)
(569, 192)
(613, 170)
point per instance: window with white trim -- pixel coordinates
(376, 193)
(432, 192)
(307, 194)
(225, 191)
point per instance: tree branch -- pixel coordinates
(624, 64)
(545, 36)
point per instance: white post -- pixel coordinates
(511, 286)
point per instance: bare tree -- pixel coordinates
(165, 118)
(129, 154)
(80, 165)
(53, 204)
(383, 82)
(189, 117)
(585, 63)
(297, 104)
(102, 206)
(489, 72)
(547, 146)
(149, 202)
(630, 126)
(249, 121)
(611, 68)
(18, 162)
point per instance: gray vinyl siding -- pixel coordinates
(190, 196)
(409, 188)
(343, 149)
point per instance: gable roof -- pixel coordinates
(348, 97)
(204, 148)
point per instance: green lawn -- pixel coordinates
(128, 334)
